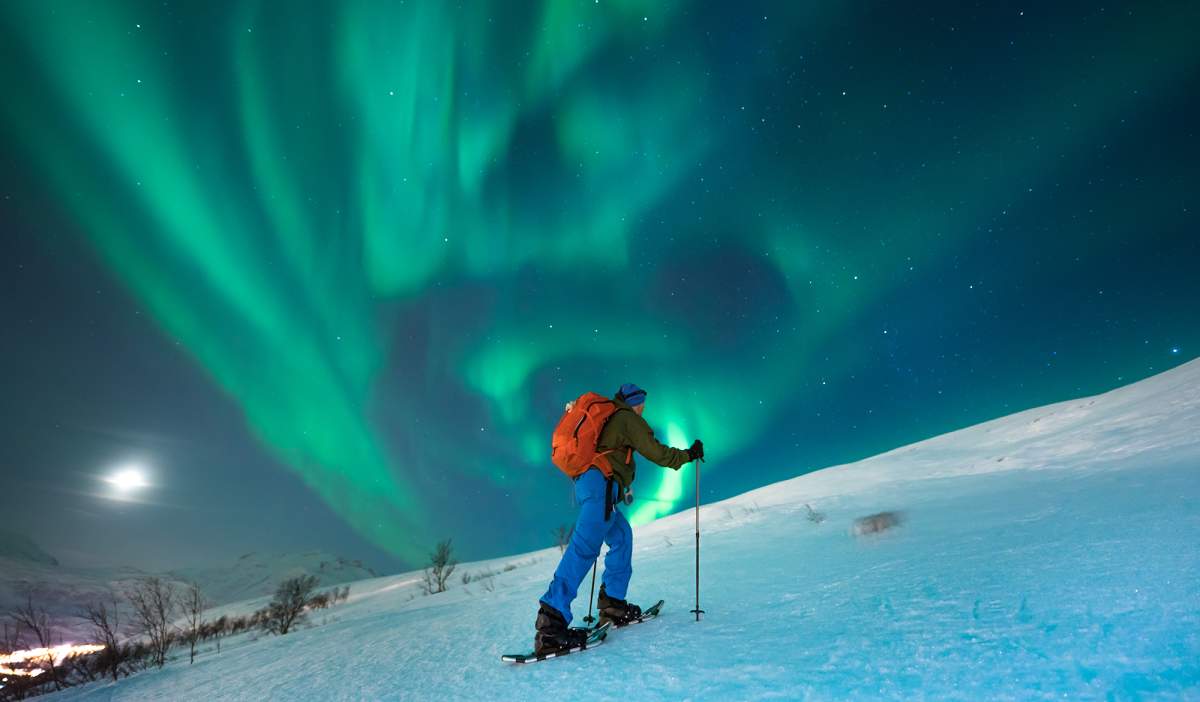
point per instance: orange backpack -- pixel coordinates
(573, 446)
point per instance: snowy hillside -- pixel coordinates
(1049, 554)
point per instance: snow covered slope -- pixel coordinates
(1047, 555)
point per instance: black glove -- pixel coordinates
(696, 451)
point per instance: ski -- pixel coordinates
(595, 638)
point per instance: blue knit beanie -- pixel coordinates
(631, 395)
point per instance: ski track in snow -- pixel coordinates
(1047, 555)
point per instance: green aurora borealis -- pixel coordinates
(400, 235)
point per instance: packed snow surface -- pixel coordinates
(1049, 554)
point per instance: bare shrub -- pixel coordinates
(154, 603)
(814, 516)
(286, 609)
(218, 629)
(105, 618)
(194, 605)
(441, 566)
(35, 620)
(139, 655)
(78, 669)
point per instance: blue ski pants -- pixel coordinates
(591, 530)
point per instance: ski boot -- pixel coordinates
(619, 612)
(553, 634)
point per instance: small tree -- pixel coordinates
(287, 607)
(441, 566)
(34, 619)
(106, 626)
(194, 605)
(154, 603)
(218, 629)
(562, 536)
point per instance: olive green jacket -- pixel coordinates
(626, 430)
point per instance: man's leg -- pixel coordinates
(581, 553)
(618, 564)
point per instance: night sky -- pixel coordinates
(328, 271)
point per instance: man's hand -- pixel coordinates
(696, 452)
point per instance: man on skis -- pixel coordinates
(599, 490)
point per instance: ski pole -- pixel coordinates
(589, 618)
(697, 611)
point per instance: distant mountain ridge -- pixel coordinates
(255, 575)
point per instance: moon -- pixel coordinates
(127, 480)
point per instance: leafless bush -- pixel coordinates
(194, 605)
(104, 616)
(239, 624)
(79, 669)
(441, 566)
(34, 619)
(488, 583)
(814, 516)
(139, 655)
(257, 618)
(286, 609)
(215, 630)
(154, 604)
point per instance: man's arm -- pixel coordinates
(641, 438)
